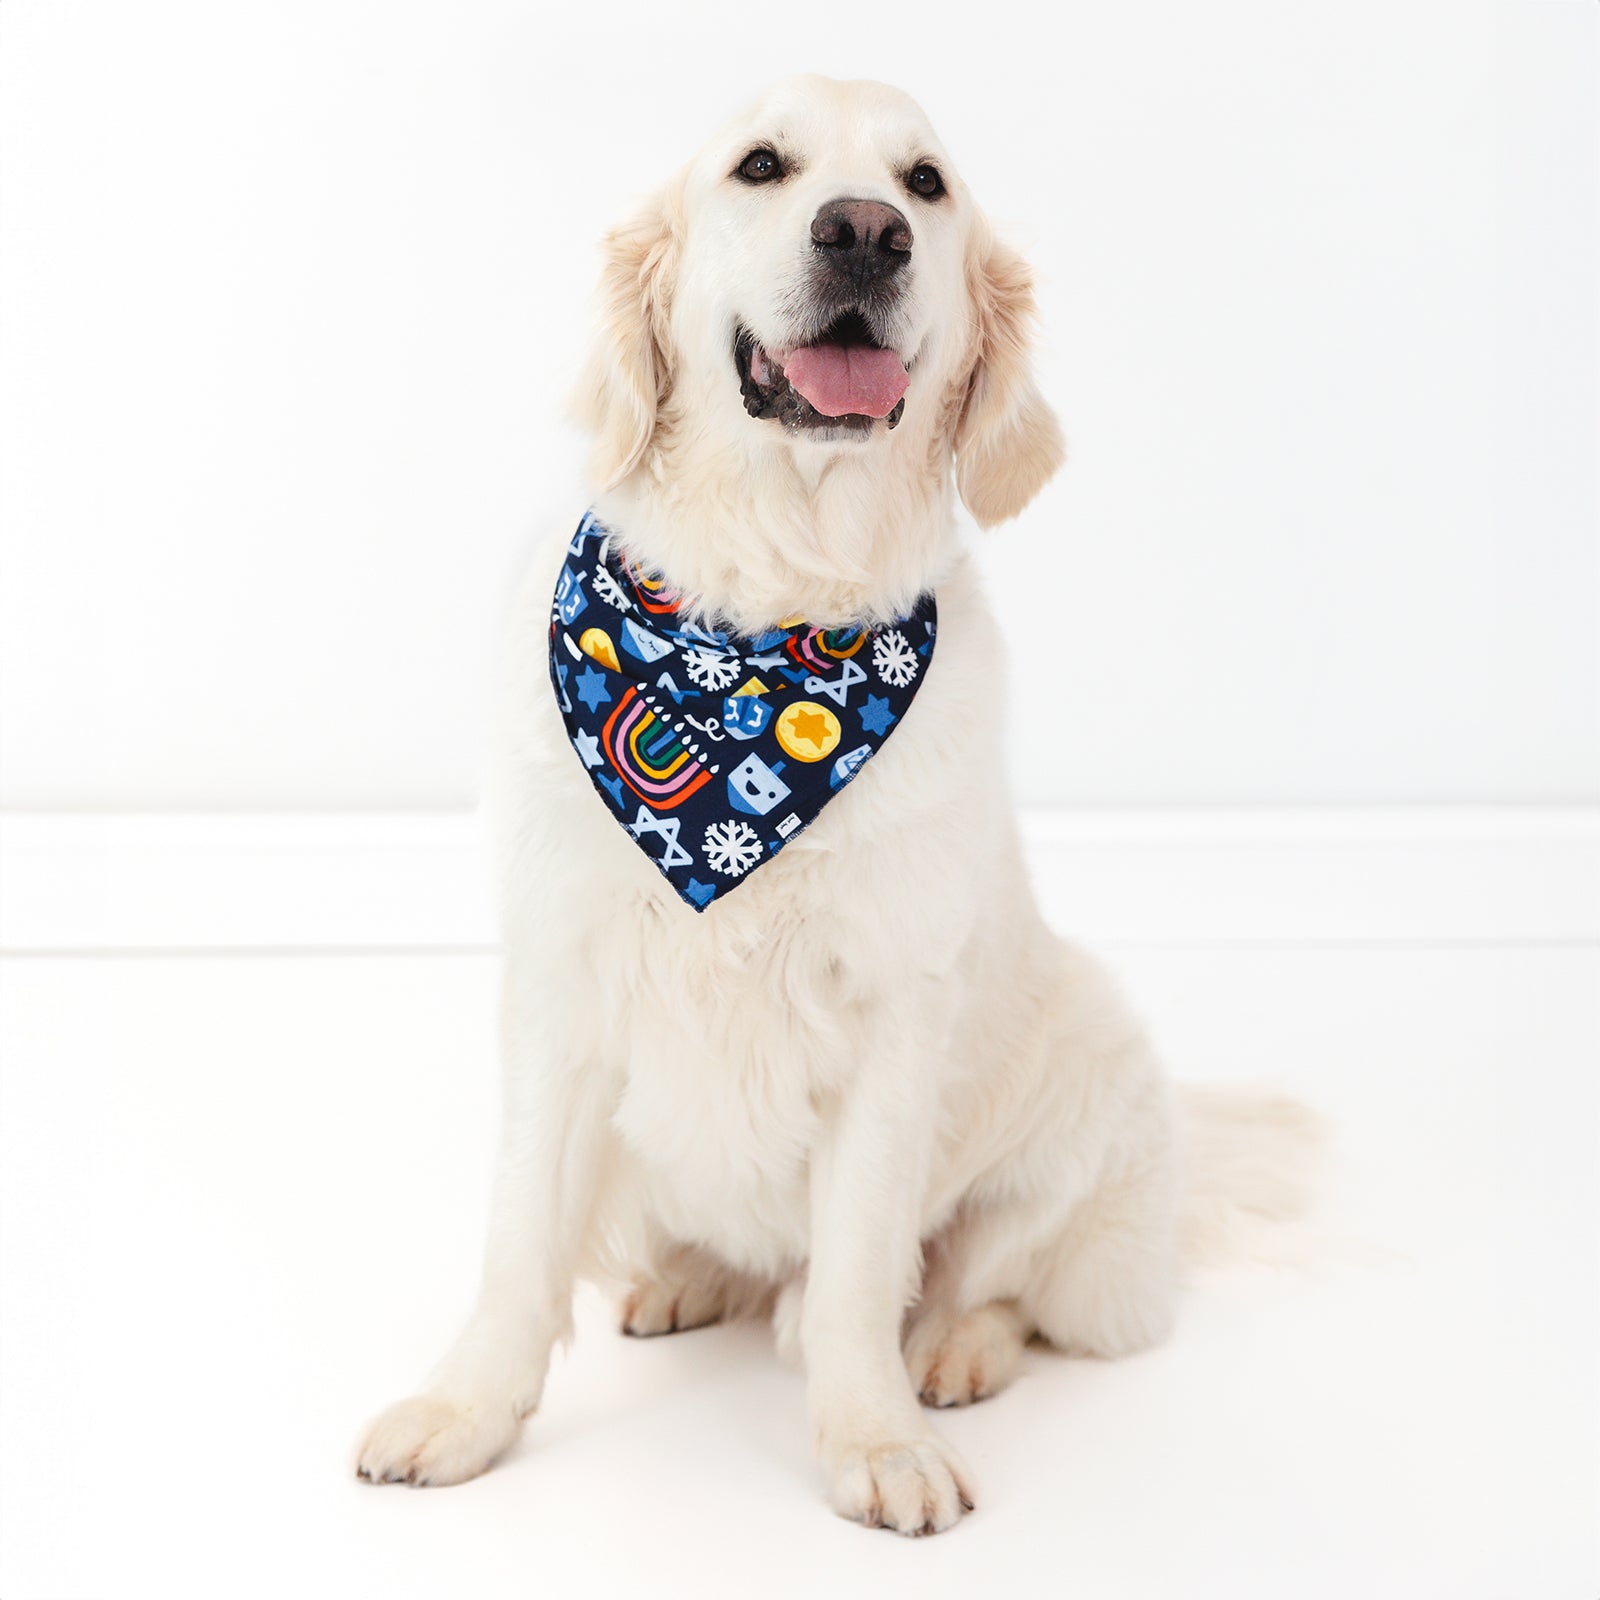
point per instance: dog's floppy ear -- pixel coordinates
(629, 371)
(1008, 442)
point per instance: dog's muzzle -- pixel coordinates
(840, 374)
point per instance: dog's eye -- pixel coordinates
(925, 181)
(761, 166)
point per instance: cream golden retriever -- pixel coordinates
(870, 1090)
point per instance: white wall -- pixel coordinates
(291, 294)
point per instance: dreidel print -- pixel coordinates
(756, 788)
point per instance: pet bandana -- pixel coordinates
(714, 750)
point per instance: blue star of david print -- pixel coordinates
(713, 750)
(592, 689)
(876, 717)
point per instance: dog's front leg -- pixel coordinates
(556, 1109)
(887, 1466)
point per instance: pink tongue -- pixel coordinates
(847, 380)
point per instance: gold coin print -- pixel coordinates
(807, 731)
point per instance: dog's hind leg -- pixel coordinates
(685, 1287)
(1107, 1285)
(1096, 1275)
(961, 1344)
(1094, 1267)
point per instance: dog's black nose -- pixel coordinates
(863, 237)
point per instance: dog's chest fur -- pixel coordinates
(732, 1062)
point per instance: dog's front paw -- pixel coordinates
(430, 1440)
(913, 1486)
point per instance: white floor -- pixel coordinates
(241, 1210)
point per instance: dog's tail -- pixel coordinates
(1251, 1162)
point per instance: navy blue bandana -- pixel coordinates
(714, 750)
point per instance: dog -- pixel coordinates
(847, 1076)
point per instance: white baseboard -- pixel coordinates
(86, 883)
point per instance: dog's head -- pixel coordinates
(819, 280)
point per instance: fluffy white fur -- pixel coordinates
(870, 1086)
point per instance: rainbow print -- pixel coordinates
(650, 755)
(820, 650)
(653, 594)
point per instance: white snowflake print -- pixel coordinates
(732, 847)
(608, 589)
(895, 660)
(710, 669)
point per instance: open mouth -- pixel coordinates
(845, 380)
